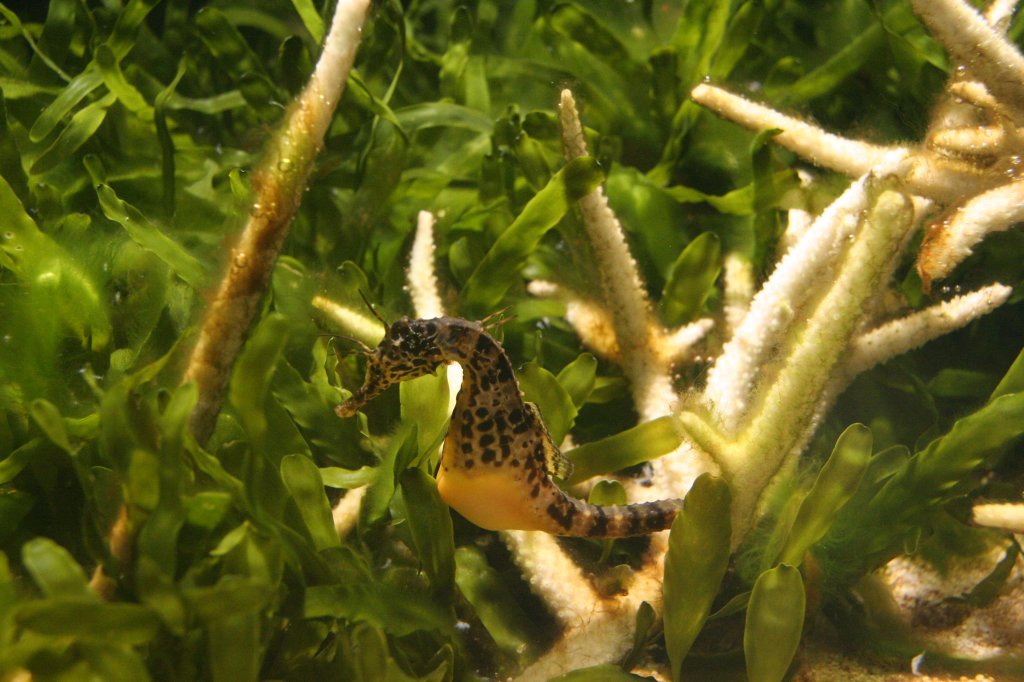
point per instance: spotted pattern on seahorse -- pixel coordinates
(498, 458)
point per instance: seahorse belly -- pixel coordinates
(490, 499)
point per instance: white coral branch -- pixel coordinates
(881, 344)
(623, 289)
(787, 404)
(973, 92)
(421, 277)
(999, 13)
(366, 329)
(591, 322)
(426, 299)
(553, 576)
(603, 630)
(1008, 516)
(930, 175)
(821, 148)
(677, 346)
(738, 291)
(972, 40)
(972, 140)
(346, 511)
(899, 336)
(599, 629)
(731, 380)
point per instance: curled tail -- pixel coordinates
(572, 516)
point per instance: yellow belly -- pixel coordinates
(490, 498)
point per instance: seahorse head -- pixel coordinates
(410, 348)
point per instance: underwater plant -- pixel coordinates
(210, 212)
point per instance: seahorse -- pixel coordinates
(498, 459)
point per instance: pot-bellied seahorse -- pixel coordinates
(498, 458)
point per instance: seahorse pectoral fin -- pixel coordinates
(555, 463)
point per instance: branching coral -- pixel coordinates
(970, 158)
(815, 323)
(242, 517)
(823, 316)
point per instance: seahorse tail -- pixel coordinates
(615, 521)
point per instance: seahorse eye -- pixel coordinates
(400, 328)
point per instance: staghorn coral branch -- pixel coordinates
(678, 345)
(809, 351)
(426, 299)
(624, 294)
(930, 175)
(738, 286)
(278, 186)
(949, 242)
(1008, 516)
(821, 148)
(599, 630)
(999, 13)
(364, 329)
(593, 325)
(973, 92)
(798, 218)
(590, 321)
(899, 336)
(972, 140)
(639, 337)
(896, 337)
(972, 40)
(603, 630)
(552, 575)
(775, 306)
(346, 512)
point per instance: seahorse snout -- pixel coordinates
(352, 405)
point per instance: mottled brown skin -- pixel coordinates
(498, 457)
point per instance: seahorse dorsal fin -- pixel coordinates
(555, 463)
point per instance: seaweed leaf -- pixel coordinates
(697, 557)
(493, 275)
(775, 620)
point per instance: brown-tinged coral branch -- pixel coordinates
(120, 542)
(278, 185)
(948, 242)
